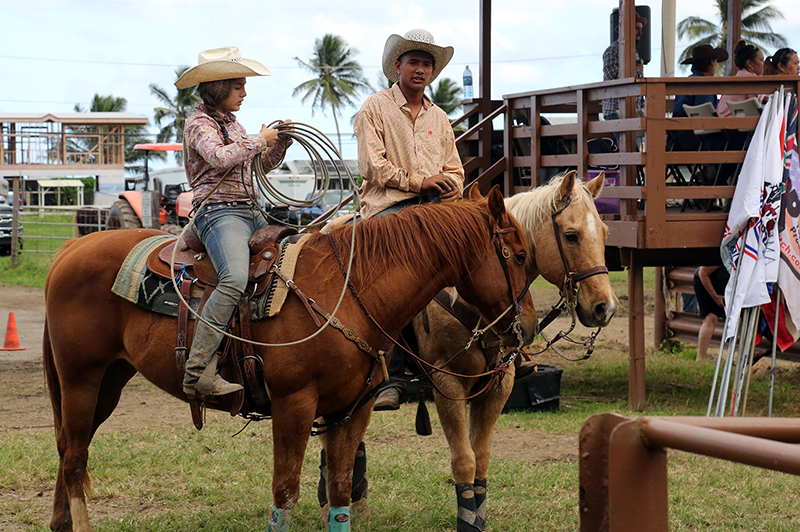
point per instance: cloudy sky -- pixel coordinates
(57, 53)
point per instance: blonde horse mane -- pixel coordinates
(534, 207)
(427, 238)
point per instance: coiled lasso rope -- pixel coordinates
(312, 140)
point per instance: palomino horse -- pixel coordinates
(583, 237)
(95, 341)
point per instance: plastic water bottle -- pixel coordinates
(468, 94)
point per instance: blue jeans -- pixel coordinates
(225, 229)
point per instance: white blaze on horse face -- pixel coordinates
(591, 224)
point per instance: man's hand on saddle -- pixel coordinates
(445, 185)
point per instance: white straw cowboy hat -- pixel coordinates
(420, 40)
(221, 63)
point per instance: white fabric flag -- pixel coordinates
(751, 231)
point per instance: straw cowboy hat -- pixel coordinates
(221, 63)
(420, 40)
(706, 51)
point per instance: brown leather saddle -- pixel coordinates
(238, 362)
(191, 258)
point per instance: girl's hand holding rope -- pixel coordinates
(270, 136)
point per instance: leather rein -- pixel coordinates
(503, 254)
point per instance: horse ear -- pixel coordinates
(595, 186)
(497, 205)
(473, 192)
(567, 184)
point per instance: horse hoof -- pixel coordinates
(360, 510)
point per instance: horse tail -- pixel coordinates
(51, 377)
(54, 386)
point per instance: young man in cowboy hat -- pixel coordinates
(406, 148)
(611, 71)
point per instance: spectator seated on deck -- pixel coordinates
(704, 62)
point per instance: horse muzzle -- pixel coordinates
(597, 315)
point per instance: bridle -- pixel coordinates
(503, 255)
(569, 295)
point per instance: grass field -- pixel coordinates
(154, 478)
(177, 479)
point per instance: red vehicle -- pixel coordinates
(171, 186)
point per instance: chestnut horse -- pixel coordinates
(583, 239)
(95, 341)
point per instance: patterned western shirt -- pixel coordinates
(611, 71)
(207, 158)
(396, 153)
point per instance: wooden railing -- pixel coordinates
(644, 220)
(82, 147)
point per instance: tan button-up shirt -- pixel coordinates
(395, 153)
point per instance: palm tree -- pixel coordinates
(133, 134)
(756, 17)
(174, 112)
(338, 77)
(446, 95)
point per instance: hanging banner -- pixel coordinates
(789, 225)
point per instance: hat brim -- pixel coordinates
(397, 46)
(720, 54)
(218, 70)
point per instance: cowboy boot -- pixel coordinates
(200, 376)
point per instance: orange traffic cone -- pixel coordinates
(12, 338)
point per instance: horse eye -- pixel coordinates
(520, 258)
(572, 237)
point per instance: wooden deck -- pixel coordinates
(646, 231)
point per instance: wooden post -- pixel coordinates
(15, 220)
(734, 33)
(583, 134)
(508, 153)
(667, 38)
(636, 362)
(627, 108)
(660, 317)
(536, 165)
(485, 84)
(627, 39)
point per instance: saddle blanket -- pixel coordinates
(137, 284)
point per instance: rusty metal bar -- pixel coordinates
(759, 452)
(623, 463)
(786, 430)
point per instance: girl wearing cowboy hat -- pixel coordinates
(217, 158)
(704, 61)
